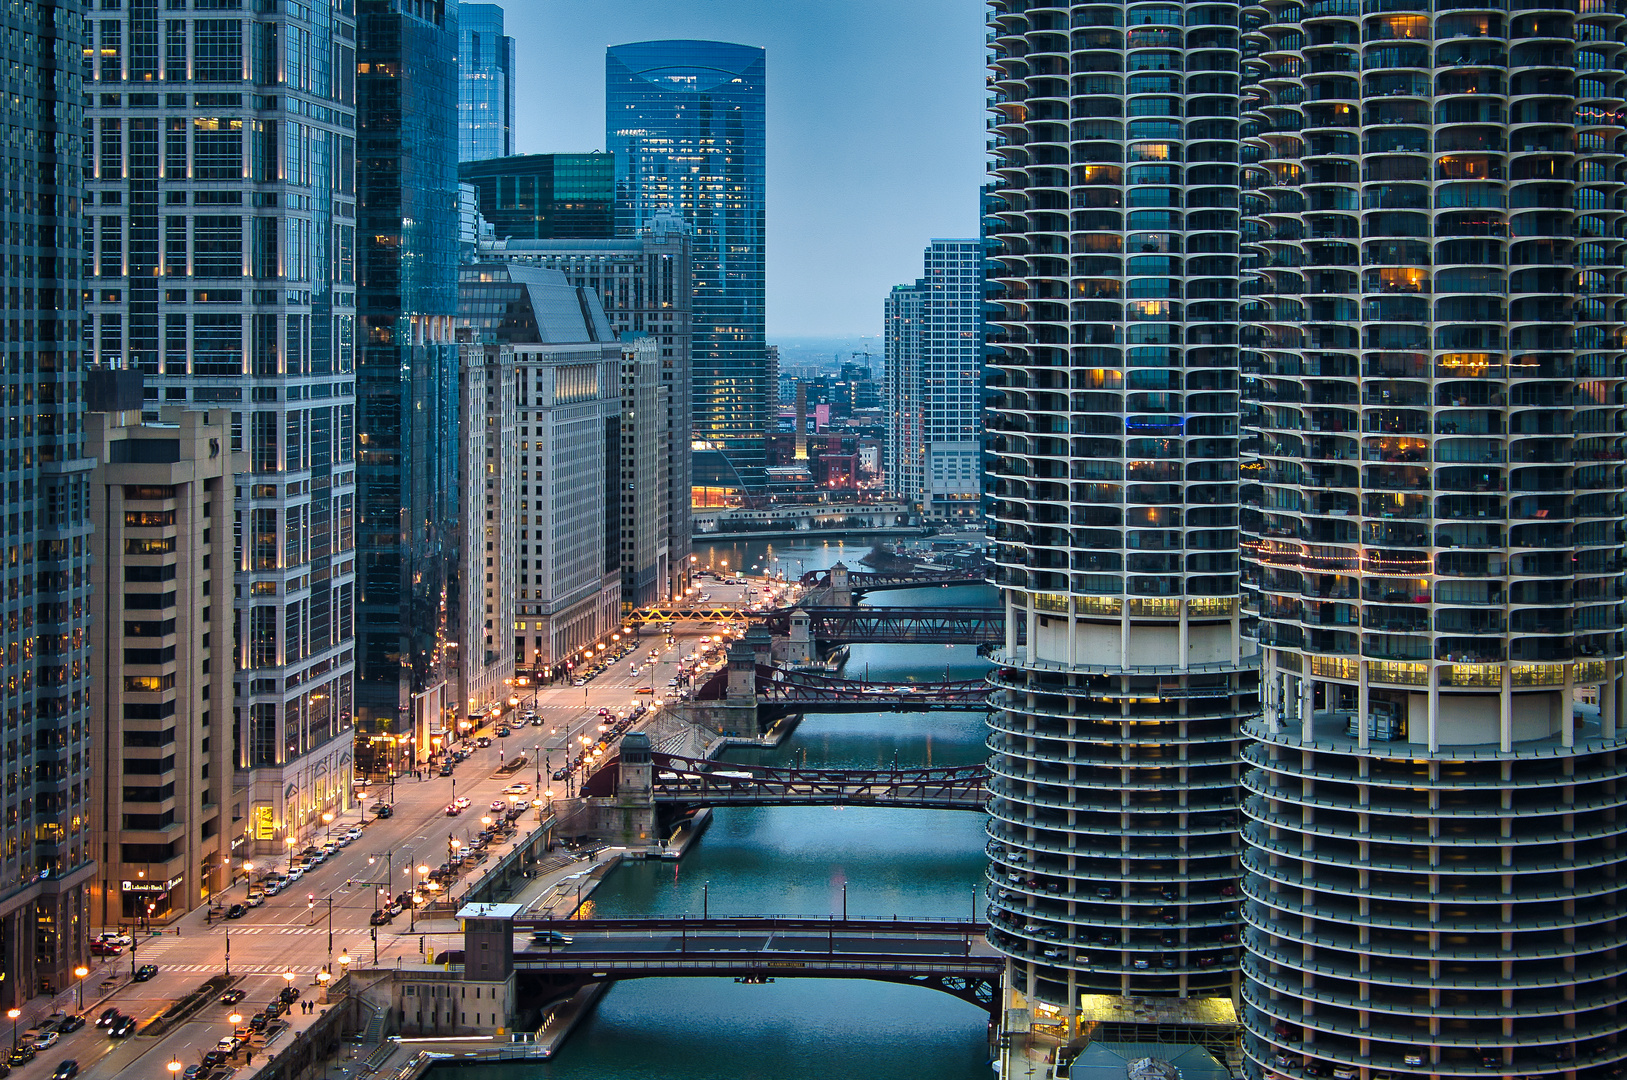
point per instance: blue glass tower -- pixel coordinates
(684, 120)
(406, 385)
(485, 84)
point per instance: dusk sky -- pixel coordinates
(875, 128)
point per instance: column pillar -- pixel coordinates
(1434, 708)
(1363, 723)
(1505, 712)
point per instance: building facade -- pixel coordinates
(685, 121)
(1432, 539)
(546, 196)
(163, 798)
(407, 375)
(643, 285)
(488, 547)
(644, 471)
(485, 83)
(567, 367)
(46, 858)
(934, 346)
(1120, 693)
(220, 262)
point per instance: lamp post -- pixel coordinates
(322, 978)
(248, 879)
(344, 963)
(327, 819)
(174, 1066)
(412, 912)
(79, 973)
(289, 976)
(14, 1014)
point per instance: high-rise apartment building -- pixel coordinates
(407, 371)
(163, 793)
(46, 859)
(934, 348)
(546, 196)
(1120, 693)
(485, 83)
(643, 285)
(685, 121)
(1434, 251)
(219, 260)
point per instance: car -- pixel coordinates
(517, 789)
(228, 1045)
(378, 808)
(213, 1058)
(255, 898)
(116, 937)
(105, 948)
(645, 690)
(1141, 965)
(192, 1072)
(498, 806)
(274, 1010)
(232, 997)
(237, 911)
(537, 721)
(275, 887)
(46, 1039)
(461, 802)
(65, 1070)
(503, 732)
(453, 810)
(258, 1022)
(288, 995)
(384, 813)
(343, 840)
(446, 770)
(354, 832)
(295, 872)
(1344, 1072)
(1413, 1060)
(21, 1054)
(483, 742)
(107, 1017)
(380, 917)
(145, 972)
(70, 1024)
(121, 1027)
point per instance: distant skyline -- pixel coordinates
(875, 129)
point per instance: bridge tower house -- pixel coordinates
(799, 647)
(632, 815)
(841, 589)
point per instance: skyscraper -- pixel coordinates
(1120, 693)
(934, 342)
(544, 196)
(1433, 245)
(220, 261)
(485, 83)
(407, 378)
(685, 121)
(46, 861)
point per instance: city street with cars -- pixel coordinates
(280, 927)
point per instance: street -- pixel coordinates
(307, 927)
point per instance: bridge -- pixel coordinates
(897, 625)
(947, 955)
(682, 784)
(860, 583)
(781, 691)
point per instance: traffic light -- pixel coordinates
(310, 900)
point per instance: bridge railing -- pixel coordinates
(914, 925)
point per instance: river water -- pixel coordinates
(807, 861)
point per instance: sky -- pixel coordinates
(875, 129)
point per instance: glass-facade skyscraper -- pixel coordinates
(485, 83)
(219, 260)
(46, 861)
(685, 121)
(407, 376)
(545, 196)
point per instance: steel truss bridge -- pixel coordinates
(781, 691)
(917, 579)
(935, 953)
(685, 784)
(898, 625)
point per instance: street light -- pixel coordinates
(327, 819)
(174, 1066)
(417, 898)
(79, 973)
(248, 878)
(14, 1014)
(290, 976)
(344, 962)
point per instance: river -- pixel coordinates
(807, 861)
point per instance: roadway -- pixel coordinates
(291, 931)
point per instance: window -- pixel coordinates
(217, 50)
